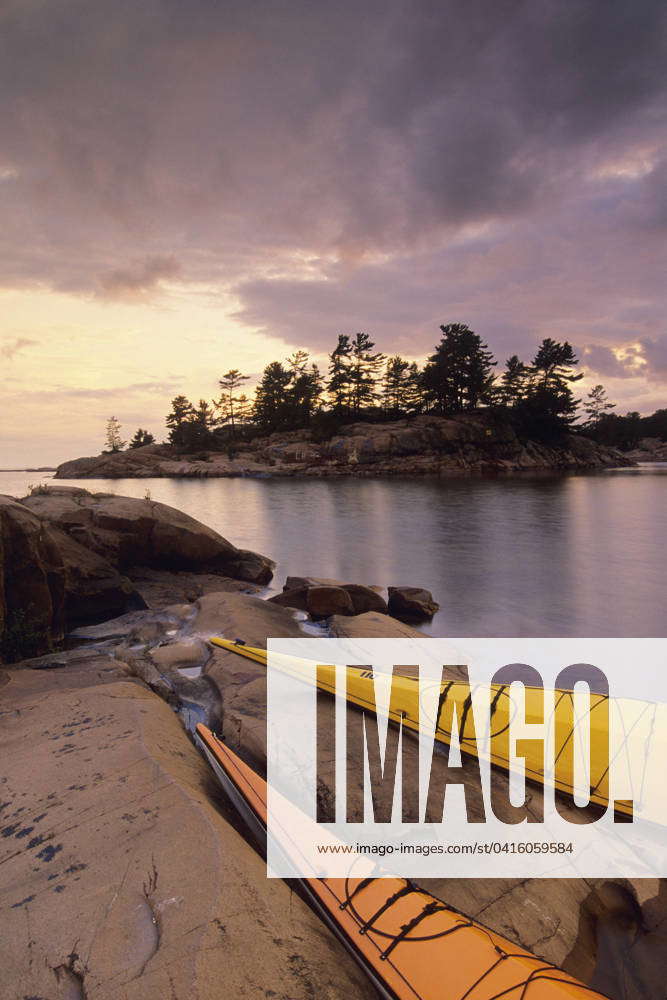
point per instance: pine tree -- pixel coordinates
(227, 405)
(554, 365)
(243, 410)
(141, 438)
(113, 438)
(305, 389)
(401, 387)
(549, 407)
(414, 390)
(204, 414)
(393, 384)
(459, 376)
(298, 362)
(181, 416)
(515, 381)
(597, 406)
(338, 385)
(272, 409)
(203, 420)
(365, 366)
(655, 425)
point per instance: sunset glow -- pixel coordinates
(185, 190)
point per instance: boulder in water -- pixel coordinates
(411, 603)
(320, 601)
(315, 595)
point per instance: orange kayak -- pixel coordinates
(410, 944)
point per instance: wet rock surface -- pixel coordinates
(622, 938)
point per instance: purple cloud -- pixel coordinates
(432, 160)
(654, 353)
(603, 361)
(138, 280)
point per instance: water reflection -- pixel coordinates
(569, 555)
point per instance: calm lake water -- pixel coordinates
(576, 555)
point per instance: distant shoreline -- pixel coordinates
(421, 446)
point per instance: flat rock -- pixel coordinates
(242, 682)
(372, 625)
(160, 587)
(61, 658)
(119, 877)
(294, 582)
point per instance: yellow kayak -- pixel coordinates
(454, 711)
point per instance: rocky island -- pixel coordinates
(421, 445)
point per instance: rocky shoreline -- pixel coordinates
(422, 446)
(649, 450)
(123, 871)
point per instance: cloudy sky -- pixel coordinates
(192, 185)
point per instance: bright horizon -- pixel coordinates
(187, 189)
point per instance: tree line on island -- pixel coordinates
(361, 383)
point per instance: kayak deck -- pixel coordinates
(412, 945)
(452, 706)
